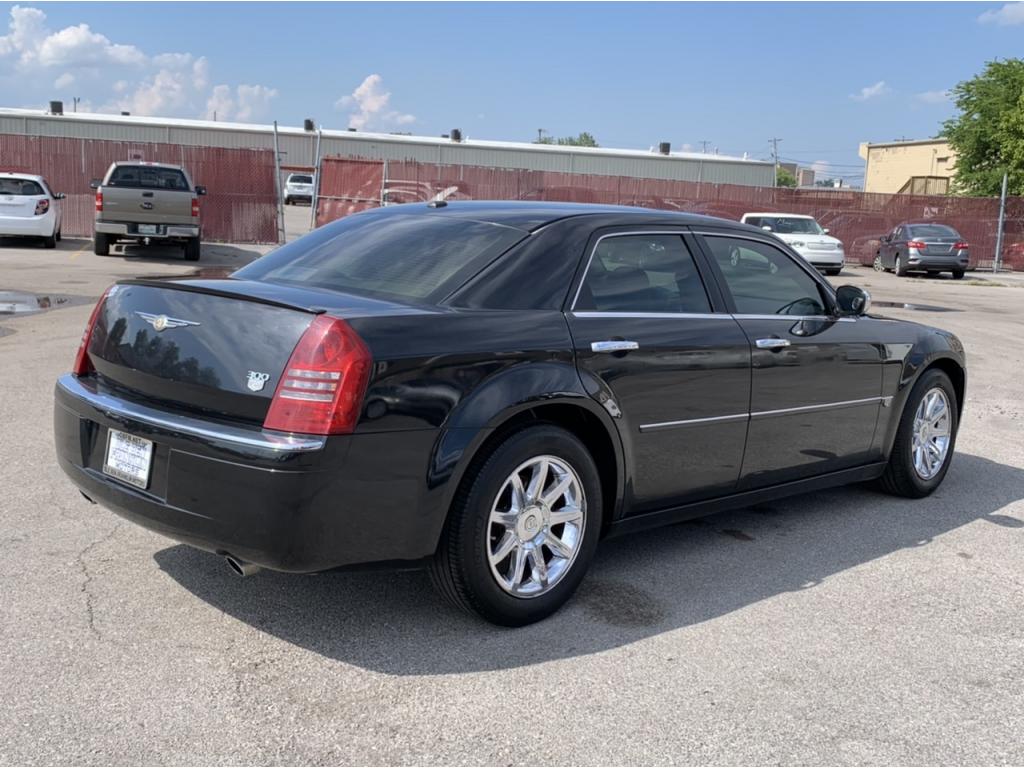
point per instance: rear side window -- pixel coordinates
(148, 177)
(763, 280)
(25, 187)
(417, 258)
(643, 273)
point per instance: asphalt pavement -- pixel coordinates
(841, 627)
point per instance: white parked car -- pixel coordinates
(29, 208)
(299, 186)
(805, 236)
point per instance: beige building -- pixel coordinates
(925, 167)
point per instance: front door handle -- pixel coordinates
(774, 344)
(614, 345)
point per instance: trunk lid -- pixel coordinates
(216, 346)
(940, 246)
(19, 206)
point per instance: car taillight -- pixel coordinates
(42, 206)
(916, 244)
(322, 387)
(195, 206)
(99, 200)
(83, 365)
(961, 246)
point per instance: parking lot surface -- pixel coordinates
(840, 627)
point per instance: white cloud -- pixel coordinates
(822, 168)
(871, 91)
(369, 103)
(933, 97)
(1009, 15)
(247, 102)
(118, 76)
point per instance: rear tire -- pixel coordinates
(50, 241)
(192, 249)
(465, 569)
(58, 235)
(898, 268)
(901, 477)
(287, 201)
(101, 244)
(958, 274)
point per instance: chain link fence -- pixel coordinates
(859, 219)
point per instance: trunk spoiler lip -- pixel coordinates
(319, 302)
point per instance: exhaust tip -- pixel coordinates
(240, 567)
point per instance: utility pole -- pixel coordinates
(1002, 221)
(75, 99)
(704, 146)
(540, 135)
(775, 157)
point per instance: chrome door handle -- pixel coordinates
(613, 346)
(772, 343)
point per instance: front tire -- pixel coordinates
(523, 528)
(833, 272)
(877, 265)
(925, 438)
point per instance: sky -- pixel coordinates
(821, 77)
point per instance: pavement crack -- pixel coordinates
(87, 577)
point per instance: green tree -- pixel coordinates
(784, 178)
(582, 140)
(988, 132)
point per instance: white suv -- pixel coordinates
(299, 186)
(805, 236)
(29, 209)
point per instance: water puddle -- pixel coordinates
(24, 303)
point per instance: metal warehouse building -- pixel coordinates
(298, 147)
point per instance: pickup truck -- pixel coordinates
(147, 203)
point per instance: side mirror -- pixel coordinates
(59, 195)
(200, 190)
(853, 300)
(825, 230)
(95, 184)
(766, 228)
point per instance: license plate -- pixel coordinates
(147, 229)
(128, 458)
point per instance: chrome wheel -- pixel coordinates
(536, 525)
(930, 440)
(878, 264)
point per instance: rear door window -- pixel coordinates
(417, 258)
(643, 273)
(148, 177)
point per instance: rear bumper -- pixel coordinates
(289, 503)
(937, 263)
(27, 226)
(163, 231)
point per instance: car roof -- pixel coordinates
(148, 164)
(781, 215)
(530, 215)
(24, 176)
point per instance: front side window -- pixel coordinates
(763, 280)
(643, 273)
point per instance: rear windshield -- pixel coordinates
(932, 230)
(787, 225)
(148, 177)
(20, 187)
(415, 258)
(300, 179)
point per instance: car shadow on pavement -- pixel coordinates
(638, 586)
(211, 255)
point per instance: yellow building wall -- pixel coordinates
(890, 166)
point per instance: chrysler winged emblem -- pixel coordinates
(162, 322)
(257, 380)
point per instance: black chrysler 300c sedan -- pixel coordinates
(487, 389)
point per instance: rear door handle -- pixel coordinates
(772, 343)
(614, 346)
(147, 194)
